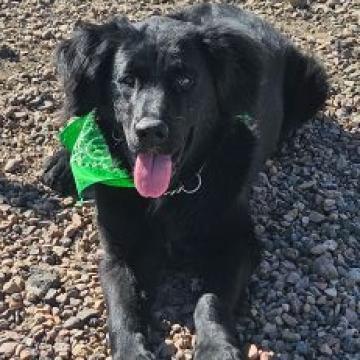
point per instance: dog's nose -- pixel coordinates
(151, 131)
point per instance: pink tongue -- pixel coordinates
(152, 174)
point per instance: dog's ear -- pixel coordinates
(235, 62)
(84, 62)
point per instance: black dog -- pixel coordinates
(195, 100)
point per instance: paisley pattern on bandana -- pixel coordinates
(90, 160)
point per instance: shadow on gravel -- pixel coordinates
(28, 197)
(321, 162)
(306, 210)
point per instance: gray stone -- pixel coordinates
(325, 267)
(78, 321)
(325, 349)
(289, 320)
(351, 316)
(7, 349)
(354, 274)
(73, 322)
(39, 283)
(316, 217)
(332, 292)
(290, 336)
(293, 278)
(86, 314)
(331, 245)
(269, 328)
(302, 347)
(12, 165)
(318, 249)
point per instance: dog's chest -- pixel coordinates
(181, 226)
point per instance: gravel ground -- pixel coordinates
(304, 300)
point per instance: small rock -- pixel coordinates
(318, 249)
(78, 321)
(290, 336)
(289, 320)
(87, 314)
(26, 354)
(351, 316)
(305, 220)
(7, 349)
(20, 115)
(16, 301)
(14, 285)
(307, 184)
(302, 347)
(325, 349)
(270, 328)
(331, 292)
(73, 322)
(66, 241)
(62, 349)
(79, 350)
(293, 278)
(39, 283)
(325, 267)
(331, 245)
(316, 217)
(12, 165)
(329, 204)
(354, 274)
(50, 295)
(291, 215)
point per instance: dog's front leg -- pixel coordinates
(124, 305)
(128, 271)
(231, 255)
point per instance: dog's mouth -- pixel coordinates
(153, 171)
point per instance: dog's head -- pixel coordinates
(163, 90)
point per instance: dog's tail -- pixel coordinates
(305, 89)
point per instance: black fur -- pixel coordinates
(194, 71)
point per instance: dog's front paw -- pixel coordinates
(57, 173)
(217, 351)
(142, 355)
(131, 347)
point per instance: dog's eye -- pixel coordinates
(128, 80)
(184, 82)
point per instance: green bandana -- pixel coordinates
(90, 160)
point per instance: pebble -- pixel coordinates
(290, 336)
(14, 285)
(325, 349)
(316, 217)
(325, 267)
(354, 274)
(289, 320)
(39, 283)
(12, 165)
(7, 349)
(332, 292)
(78, 321)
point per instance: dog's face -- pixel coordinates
(164, 101)
(157, 90)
